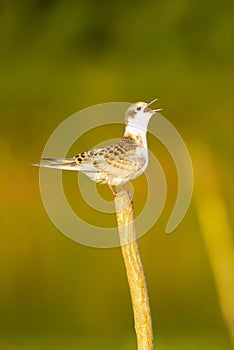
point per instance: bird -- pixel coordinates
(117, 163)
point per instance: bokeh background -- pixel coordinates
(58, 57)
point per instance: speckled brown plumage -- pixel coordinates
(120, 159)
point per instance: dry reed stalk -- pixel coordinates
(134, 271)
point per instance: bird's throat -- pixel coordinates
(136, 134)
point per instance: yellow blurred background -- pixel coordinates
(58, 57)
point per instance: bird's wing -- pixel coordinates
(122, 159)
(117, 161)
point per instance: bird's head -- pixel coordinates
(139, 115)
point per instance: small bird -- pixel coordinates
(118, 163)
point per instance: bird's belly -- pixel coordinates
(109, 179)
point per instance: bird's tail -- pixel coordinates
(66, 164)
(58, 163)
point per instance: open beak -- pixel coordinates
(151, 102)
(154, 110)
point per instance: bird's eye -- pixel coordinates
(138, 108)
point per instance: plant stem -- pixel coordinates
(134, 271)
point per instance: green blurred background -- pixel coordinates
(58, 57)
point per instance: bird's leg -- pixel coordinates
(112, 190)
